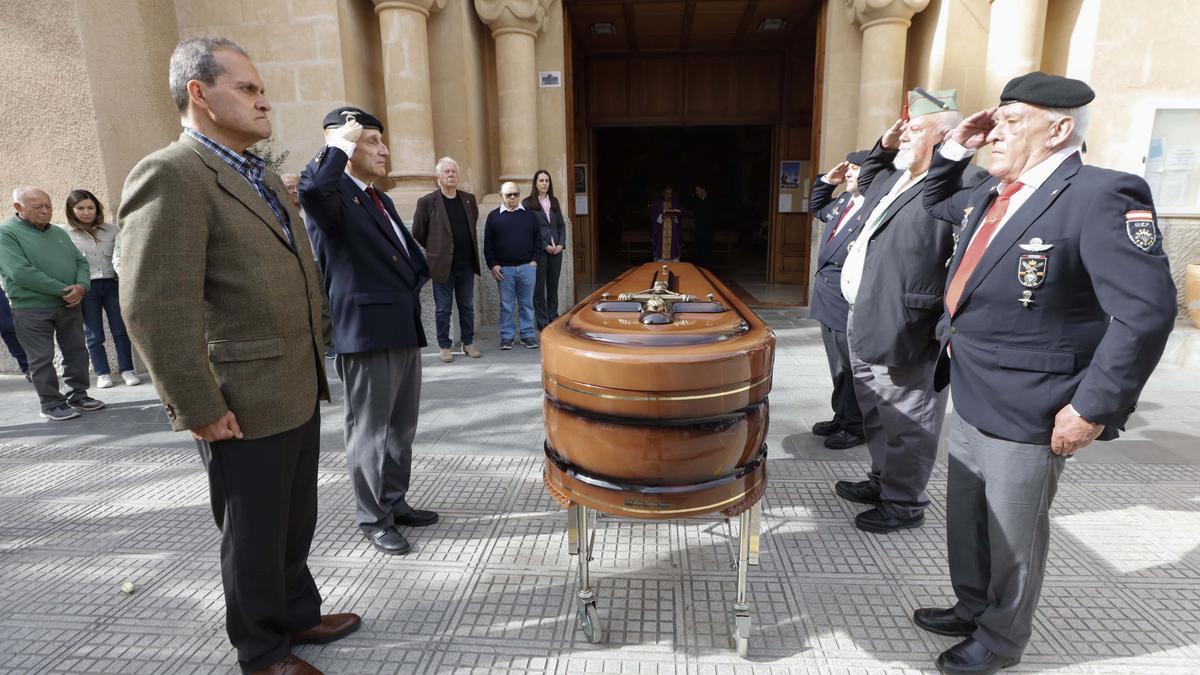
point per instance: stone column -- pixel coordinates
(515, 24)
(409, 118)
(884, 25)
(1015, 32)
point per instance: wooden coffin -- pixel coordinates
(656, 397)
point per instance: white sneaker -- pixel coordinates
(131, 378)
(104, 381)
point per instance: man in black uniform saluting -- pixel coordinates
(1059, 302)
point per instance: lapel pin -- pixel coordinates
(1026, 299)
(1036, 245)
(356, 200)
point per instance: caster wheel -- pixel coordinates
(589, 620)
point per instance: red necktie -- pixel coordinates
(979, 243)
(845, 215)
(374, 195)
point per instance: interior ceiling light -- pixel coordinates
(771, 25)
(603, 28)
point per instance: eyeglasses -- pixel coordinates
(511, 194)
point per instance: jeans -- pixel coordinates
(517, 286)
(545, 289)
(460, 284)
(8, 331)
(102, 298)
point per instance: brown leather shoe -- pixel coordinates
(292, 665)
(332, 627)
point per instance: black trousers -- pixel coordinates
(844, 402)
(545, 288)
(264, 500)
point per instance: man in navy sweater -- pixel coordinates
(511, 240)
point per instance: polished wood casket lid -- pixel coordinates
(707, 354)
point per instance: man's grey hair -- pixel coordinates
(505, 184)
(437, 168)
(947, 120)
(194, 59)
(1081, 116)
(23, 194)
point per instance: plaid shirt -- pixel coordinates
(251, 167)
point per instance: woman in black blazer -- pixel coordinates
(544, 205)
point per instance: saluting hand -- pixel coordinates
(837, 175)
(1072, 432)
(224, 428)
(891, 137)
(350, 131)
(972, 132)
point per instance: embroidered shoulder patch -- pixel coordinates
(1140, 227)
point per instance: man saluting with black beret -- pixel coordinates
(1059, 302)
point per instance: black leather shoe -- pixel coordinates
(417, 518)
(943, 622)
(389, 541)
(971, 657)
(825, 428)
(842, 439)
(879, 521)
(861, 492)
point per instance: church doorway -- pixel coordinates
(732, 164)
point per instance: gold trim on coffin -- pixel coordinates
(693, 397)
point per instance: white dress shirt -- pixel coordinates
(1030, 181)
(856, 260)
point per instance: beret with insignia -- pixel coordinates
(338, 116)
(858, 157)
(1047, 91)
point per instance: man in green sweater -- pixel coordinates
(46, 278)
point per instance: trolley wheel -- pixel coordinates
(741, 636)
(589, 620)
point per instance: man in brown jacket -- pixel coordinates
(444, 225)
(222, 299)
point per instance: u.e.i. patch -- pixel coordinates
(1139, 225)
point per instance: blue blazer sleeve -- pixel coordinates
(879, 160)
(319, 185)
(943, 195)
(1135, 288)
(820, 199)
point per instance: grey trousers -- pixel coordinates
(902, 420)
(998, 531)
(383, 396)
(37, 330)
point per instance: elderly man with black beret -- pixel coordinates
(373, 272)
(1058, 306)
(842, 218)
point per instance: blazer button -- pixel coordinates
(395, 258)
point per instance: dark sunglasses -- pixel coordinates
(512, 194)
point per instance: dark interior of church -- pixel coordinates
(633, 164)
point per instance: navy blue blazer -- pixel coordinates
(828, 305)
(1100, 301)
(373, 284)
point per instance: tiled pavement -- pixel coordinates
(114, 496)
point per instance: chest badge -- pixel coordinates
(1031, 270)
(1139, 225)
(1026, 299)
(355, 199)
(1036, 245)
(967, 215)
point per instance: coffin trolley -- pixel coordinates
(656, 408)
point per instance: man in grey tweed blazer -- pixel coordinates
(222, 299)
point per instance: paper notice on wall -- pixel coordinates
(785, 203)
(804, 205)
(1154, 180)
(1174, 188)
(581, 205)
(1155, 156)
(1182, 158)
